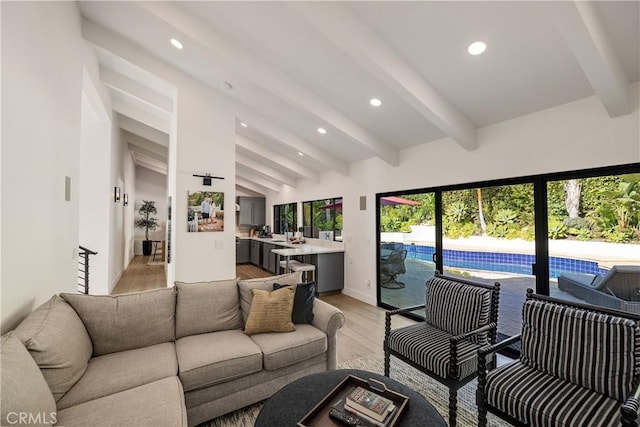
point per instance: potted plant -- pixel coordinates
(147, 223)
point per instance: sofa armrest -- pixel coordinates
(328, 319)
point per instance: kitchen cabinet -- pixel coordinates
(252, 210)
(243, 251)
(269, 258)
(256, 253)
(329, 271)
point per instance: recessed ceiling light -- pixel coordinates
(322, 130)
(244, 125)
(375, 102)
(300, 153)
(476, 48)
(176, 44)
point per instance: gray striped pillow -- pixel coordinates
(596, 351)
(457, 307)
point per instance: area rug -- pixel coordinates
(433, 391)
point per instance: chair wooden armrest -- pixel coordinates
(485, 351)
(477, 331)
(388, 314)
(630, 409)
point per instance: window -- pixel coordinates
(322, 219)
(285, 218)
(555, 233)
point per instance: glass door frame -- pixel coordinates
(541, 267)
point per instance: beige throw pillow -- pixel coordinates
(270, 311)
(265, 284)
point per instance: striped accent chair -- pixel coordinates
(460, 317)
(578, 365)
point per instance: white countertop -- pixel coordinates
(293, 249)
(304, 249)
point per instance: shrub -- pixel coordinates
(557, 230)
(584, 234)
(578, 224)
(458, 211)
(505, 217)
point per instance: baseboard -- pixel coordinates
(115, 281)
(364, 297)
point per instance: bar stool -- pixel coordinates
(292, 262)
(305, 268)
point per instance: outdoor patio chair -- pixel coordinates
(460, 317)
(579, 366)
(391, 267)
(618, 289)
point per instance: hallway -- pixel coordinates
(140, 276)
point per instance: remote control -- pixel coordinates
(343, 418)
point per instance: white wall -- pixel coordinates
(129, 211)
(205, 132)
(41, 92)
(573, 136)
(152, 186)
(116, 209)
(94, 194)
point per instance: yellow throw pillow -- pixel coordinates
(270, 311)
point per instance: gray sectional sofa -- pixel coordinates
(170, 357)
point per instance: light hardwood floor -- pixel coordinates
(140, 276)
(361, 335)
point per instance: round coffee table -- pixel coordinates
(292, 402)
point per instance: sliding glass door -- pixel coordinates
(407, 247)
(594, 240)
(572, 235)
(488, 236)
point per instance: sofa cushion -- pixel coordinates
(457, 307)
(264, 284)
(539, 399)
(216, 357)
(271, 311)
(203, 307)
(554, 339)
(116, 372)
(281, 350)
(58, 342)
(23, 388)
(302, 302)
(123, 322)
(160, 403)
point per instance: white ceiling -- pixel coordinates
(296, 66)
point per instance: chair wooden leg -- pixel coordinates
(453, 407)
(482, 415)
(387, 356)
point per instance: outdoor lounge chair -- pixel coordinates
(618, 289)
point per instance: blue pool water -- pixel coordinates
(498, 261)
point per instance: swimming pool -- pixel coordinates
(499, 261)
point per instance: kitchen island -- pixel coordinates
(328, 260)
